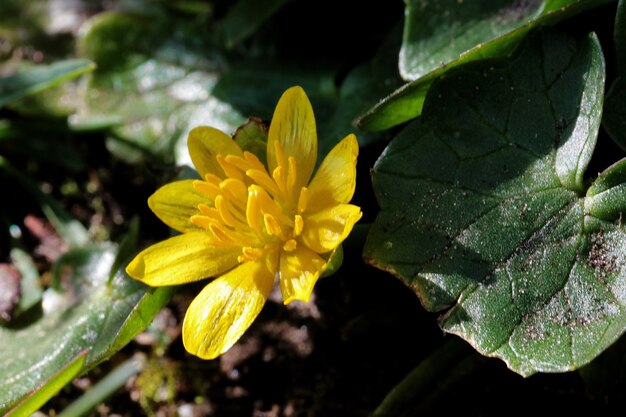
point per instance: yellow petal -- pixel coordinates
(325, 230)
(175, 203)
(299, 271)
(204, 144)
(184, 258)
(335, 179)
(225, 308)
(293, 126)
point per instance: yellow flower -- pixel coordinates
(250, 224)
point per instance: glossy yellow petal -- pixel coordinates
(175, 203)
(293, 126)
(325, 230)
(184, 258)
(204, 144)
(225, 308)
(335, 179)
(299, 271)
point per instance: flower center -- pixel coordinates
(251, 209)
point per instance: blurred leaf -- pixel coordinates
(38, 397)
(614, 119)
(38, 78)
(154, 84)
(70, 229)
(406, 103)
(245, 17)
(483, 211)
(89, 313)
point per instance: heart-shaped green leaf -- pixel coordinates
(484, 214)
(88, 312)
(440, 35)
(614, 119)
(38, 78)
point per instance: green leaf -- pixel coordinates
(478, 43)
(33, 401)
(87, 313)
(483, 208)
(35, 79)
(614, 119)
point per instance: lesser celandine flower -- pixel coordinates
(249, 223)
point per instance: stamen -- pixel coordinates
(298, 225)
(291, 173)
(206, 188)
(303, 200)
(202, 221)
(253, 210)
(249, 253)
(230, 170)
(209, 212)
(221, 234)
(290, 245)
(279, 178)
(224, 212)
(272, 226)
(263, 179)
(252, 158)
(235, 190)
(212, 179)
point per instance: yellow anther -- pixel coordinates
(252, 158)
(250, 254)
(253, 209)
(209, 212)
(212, 179)
(298, 225)
(290, 245)
(262, 178)
(206, 188)
(272, 226)
(292, 173)
(225, 213)
(234, 190)
(220, 233)
(230, 170)
(303, 200)
(279, 178)
(202, 221)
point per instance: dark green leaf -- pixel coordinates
(35, 79)
(406, 102)
(483, 209)
(87, 313)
